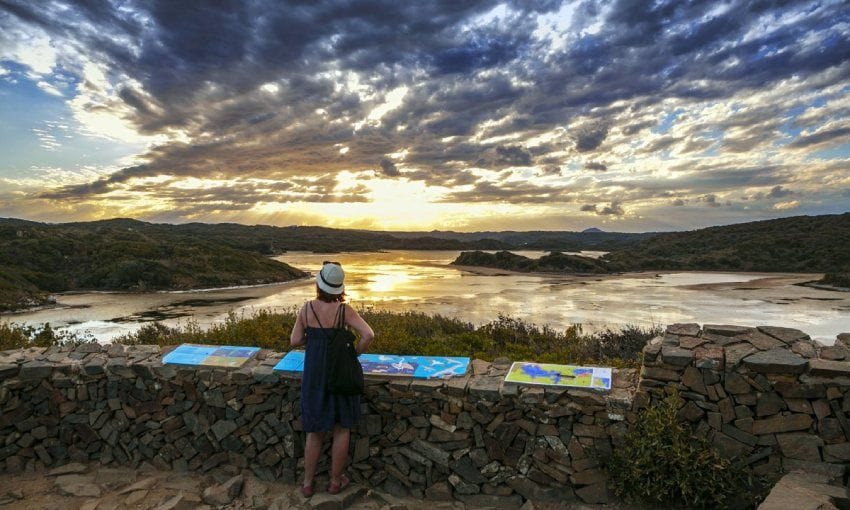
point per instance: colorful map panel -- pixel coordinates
(420, 367)
(210, 355)
(559, 375)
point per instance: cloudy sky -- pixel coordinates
(627, 115)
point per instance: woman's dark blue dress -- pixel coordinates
(320, 410)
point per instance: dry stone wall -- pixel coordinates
(472, 438)
(768, 396)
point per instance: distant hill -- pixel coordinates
(544, 240)
(811, 244)
(37, 259)
(590, 230)
(124, 254)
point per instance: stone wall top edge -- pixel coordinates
(95, 360)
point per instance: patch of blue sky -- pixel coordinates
(667, 121)
(767, 50)
(37, 129)
(714, 134)
(838, 152)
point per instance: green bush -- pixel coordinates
(16, 336)
(422, 334)
(661, 462)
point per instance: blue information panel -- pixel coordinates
(210, 355)
(420, 367)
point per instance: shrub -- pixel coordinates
(661, 462)
(417, 333)
(16, 336)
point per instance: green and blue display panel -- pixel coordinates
(210, 355)
(559, 375)
(419, 367)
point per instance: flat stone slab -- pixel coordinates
(789, 494)
(67, 469)
(787, 335)
(725, 329)
(828, 368)
(690, 329)
(676, 355)
(761, 341)
(776, 361)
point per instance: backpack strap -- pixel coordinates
(340, 312)
(316, 316)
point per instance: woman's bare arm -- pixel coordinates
(353, 319)
(297, 338)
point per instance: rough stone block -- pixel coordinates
(594, 494)
(35, 370)
(735, 353)
(660, 374)
(761, 341)
(800, 446)
(835, 352)
(725, 330)
(676, 356)
(837, 452)
(776, 361)
(768, 404)
(786, 335)
(776, 424)
(828, 368)
(735, 384)
(690, 329)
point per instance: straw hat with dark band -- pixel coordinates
(330, 279)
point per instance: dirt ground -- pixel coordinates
(94, 487)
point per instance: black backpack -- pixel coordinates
(345, 375)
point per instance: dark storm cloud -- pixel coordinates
(612, 209)
(779, 192)
(201, 69)
(513, 156)
(595, 166)
(588, 138)
(511, 192)
(388, 168)
(828, 136)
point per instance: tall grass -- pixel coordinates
(411, 333)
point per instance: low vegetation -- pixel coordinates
(837, 279)
(807, 244)
(554, 262)
(38, 259)
(398, 333)
(662, 463)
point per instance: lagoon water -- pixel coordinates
(424, 281)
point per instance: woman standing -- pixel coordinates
(321, 411)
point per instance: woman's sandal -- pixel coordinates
(307, 490)
(337, 487)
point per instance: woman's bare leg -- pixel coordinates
(312, 451)
(339, 452)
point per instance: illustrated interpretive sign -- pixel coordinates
(559, 375)
(420, 367)
(210, 355)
